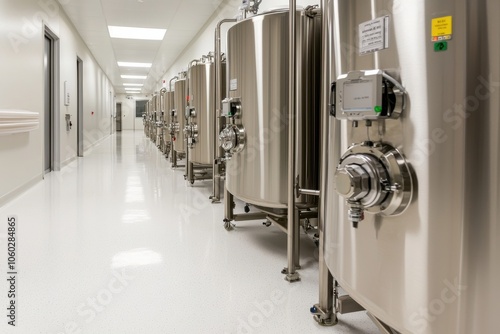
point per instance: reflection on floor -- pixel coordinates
(117, 242)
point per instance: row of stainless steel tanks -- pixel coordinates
(180, 119)
(380, 119)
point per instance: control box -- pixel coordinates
(366, 95)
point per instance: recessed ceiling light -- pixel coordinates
(133, 92)
(133, 88)
(130, 64)
(136, 33)
(134, 76)
(133, 84)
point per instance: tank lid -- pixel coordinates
(279, 9)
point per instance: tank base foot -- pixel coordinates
(214, 199)
(291, 278)
(284, 271)
(324, 318)
(228, 225)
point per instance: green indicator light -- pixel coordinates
(441, 46)
(378, 109)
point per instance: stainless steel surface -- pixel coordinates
(169, 119)
(218, 164)
(164, 107)
(383, 328)
(374, 177)
(292, 218)
(324, 312)
(433, 268)
(345, 305)
(180, 103)
(257, 62)
(202, 94)
(249, 216)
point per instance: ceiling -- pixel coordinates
(182, 19)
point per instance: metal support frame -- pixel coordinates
(188, 173)
(217, 161)
(173, 156)
(324, 312)
(293, 221)
(198, 172)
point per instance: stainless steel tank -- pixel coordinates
(202, 105)
(180, 95)
(169, 119)
(154, 117)
(412, 200)
(256, 137)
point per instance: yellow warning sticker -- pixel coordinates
(442, 28)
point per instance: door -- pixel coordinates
(48, 112)
(79, 93)
(118, 117)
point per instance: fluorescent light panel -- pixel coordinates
(136, 33)
(134, 76)
(131, 64)
(132, 89)
(133, 84)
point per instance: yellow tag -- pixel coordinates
(442, 28)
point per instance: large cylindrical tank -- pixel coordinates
(427, 263)
(169, 107)
(257, 76)
(180, 95)
(202, 105)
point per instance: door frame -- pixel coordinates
(119, 118)
(54, 102)
(79, 97)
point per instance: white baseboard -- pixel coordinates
(20, 190)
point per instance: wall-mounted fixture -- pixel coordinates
(16, 121)
(68, 122)
(66, 93)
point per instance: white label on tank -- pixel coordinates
(374, 35)
(233, 84)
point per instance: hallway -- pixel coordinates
(118, 243)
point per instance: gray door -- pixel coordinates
(118, 117)
(48, 105)
(79, 80)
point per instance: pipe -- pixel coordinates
(309, 192)
(293, 227)
(189, 165)
(170, 82)
(324, 311)
(217, 107)
(174, 152)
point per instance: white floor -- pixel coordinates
(118, 243)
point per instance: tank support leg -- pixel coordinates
(190, 172)
(228, 209)
(292, 248)
(174, 159)
(216, 184)
(325, 312)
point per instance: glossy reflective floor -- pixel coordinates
(118, 243)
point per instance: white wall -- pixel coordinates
(129, 121)
(204, 40)
(22, 87)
